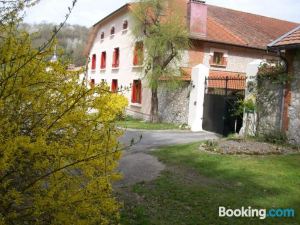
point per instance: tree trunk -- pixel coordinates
(154, 106)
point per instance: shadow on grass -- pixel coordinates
(179, 197)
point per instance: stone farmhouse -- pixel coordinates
(224, 42)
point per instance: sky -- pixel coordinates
(88, 12)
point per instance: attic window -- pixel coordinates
(112, 31)
(94, 61)
(102, 35)
(125, 25)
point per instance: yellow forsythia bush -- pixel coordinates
(58, 142)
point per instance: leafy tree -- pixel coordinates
(58, 143)
(165, 37)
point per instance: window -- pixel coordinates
(102, 36)
(218, 59)
(136, 92)
(138, 55)
(114, 85)
(103, 60)
(125, 25)
(94, 62)
(116, 58)
(112, 31)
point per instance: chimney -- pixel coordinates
(197, 17)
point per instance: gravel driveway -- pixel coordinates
(137, 166)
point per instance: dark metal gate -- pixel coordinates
(221, 102)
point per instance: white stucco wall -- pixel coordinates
(237, 60)
(126, 72)
(195, 119)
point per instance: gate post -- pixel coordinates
(249, 120)
(199, 73)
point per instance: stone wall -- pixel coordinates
(294, 109)
(174, 103)
(269, 107)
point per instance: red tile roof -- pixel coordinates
(236, 81)
(290, 39)
(217, 78)
(226, 26)
(252, 30)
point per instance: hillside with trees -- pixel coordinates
(70, 40)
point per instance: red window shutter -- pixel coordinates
(114, 85)
(135, 56)
(114, 58)
(117, 57)
(139, 92)
(103, 60)
(138, 56)
(94, 62)
(141, 53)
(133, 97)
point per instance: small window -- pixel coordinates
(112, 31)
(114, 85)
(136, 92)
(138, 55)
(102, 36)
(103, 60)
(125, 25)
(116, 58)
(94, 62)
(218, 59)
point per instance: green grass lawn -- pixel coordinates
(143, 125)
(195, 184)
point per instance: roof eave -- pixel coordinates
(127, 5)
(203, 38)
(284, 47)
(88, 47)
(273, 43)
